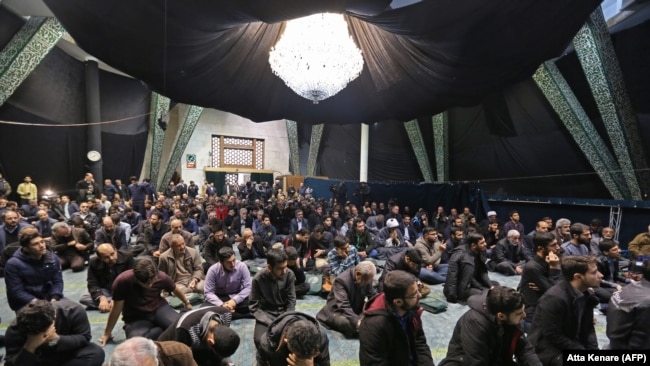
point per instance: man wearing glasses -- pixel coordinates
(391, 329)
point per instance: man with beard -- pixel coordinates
(102, 271)
(580, 239)
(540, 273)
(91, 221)
(468, 273)
(433, 271)
(111, 233)
(215, 242)
(564, 318)
(73, 245)
(149, 239)
(391, 329)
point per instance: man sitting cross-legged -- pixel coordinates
(102, 271)
(344, 306)
(228, 284)
(183, 265)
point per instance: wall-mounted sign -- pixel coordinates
(191, 160)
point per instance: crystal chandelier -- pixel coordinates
(316, 57)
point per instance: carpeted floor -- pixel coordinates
(438, 327)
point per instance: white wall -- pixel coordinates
(214, 122)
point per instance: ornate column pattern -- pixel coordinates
(415, 137)
(25, 51)
(153, 152)
(596, 54)
(314, 146)
(182, 138)
(294, 151)
(441, 145)
(565, 103)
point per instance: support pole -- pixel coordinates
(93, 115)
(363, 164)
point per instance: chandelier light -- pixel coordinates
(316, 57)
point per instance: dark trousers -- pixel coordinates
(153, 325)
(241, 310)
(89, 355)
(258, 333)
(74, 262)
(302, 289)
(507, 268)
(342, 324)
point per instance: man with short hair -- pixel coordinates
(68, 208)
(293, 339)
(213, 245)
(176, 228)
(27, 190)
(468, 273)
(509, 254)
(298, 222)
(580, 239)
(514, 223)
(344, 306)
(408, 261)
(272, 292)
(102, 271)
(488, 333)
(266, 231)
(241, 222)
(183, 266)
(44, 223)
(391, 329)
(51, 333)
(10, 229)
(541, 227)
(91, 221)
(148, 243)
(33, 273)
(207, 332)
(359, 237)
(111, 233)
(540, 273)
(136, 295)
(320, 243)
(342, 256)
(228, 284)
(564, 318)
(628, 314)
(432, 272)
(608, 265)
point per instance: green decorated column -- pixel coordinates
(415, 137)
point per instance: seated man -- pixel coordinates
(149, 239)
(207, 332)
(215, 242)
(409, 261)
(342, 257)
(302, 287)
(432, 272)
(579, 242)
(133, 219)
(628, 314)
(91, 221)
(143, 351)
(294, 339)
(564, 318)
(488, 333)
(266, 231)
(390, 236)
(111, 233)
(44, 223)
(72, 245)
(359, 237)
(136, 295)
(33, 273)
(391, 330)
(608, 266)
(320, 243)
(176, 228)
(272, 293)
(228, 284)
(509, 254)
(345, 302)
(183, 266)
(102, 271)
(251, 246)
(468, 273)
(52, 333)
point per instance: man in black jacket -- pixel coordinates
(345, 302)
(102, 271)
(540, 273)
(391, 329)
(488, 333)
(467, 273)
(51, 333)
(207, 332)
(608, 265)
(296, 337)
(509, 254)
(409, 261)
(564, 318)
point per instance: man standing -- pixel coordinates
(136, 295)
(391, 329)
(52, 333)
(207, 332)
(514, 223)
(345, 302)
(27, 190)
(540, 273)
(228, 284)
(628, 315)
(102, 271)
(488, 333)
(580, 238)
(272, 293)
(33, 273)
(468, 273)
(564, 318)
(87, 189)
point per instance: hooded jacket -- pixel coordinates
(479, 340)
(268, 353)
(382, 340)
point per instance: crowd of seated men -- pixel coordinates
(182, 243)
